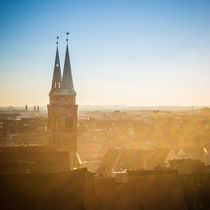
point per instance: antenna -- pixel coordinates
(67, 37)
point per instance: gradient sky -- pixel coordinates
(152, 52)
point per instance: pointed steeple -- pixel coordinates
(67, 81)
(56, 81)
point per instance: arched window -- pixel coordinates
(69, 122)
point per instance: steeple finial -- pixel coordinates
(57, 37)
(67, 37)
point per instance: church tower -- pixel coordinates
(62, 109)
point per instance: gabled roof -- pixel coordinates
(109, 161)
(132, 159)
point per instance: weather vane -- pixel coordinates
(67, 37)
(57, 37)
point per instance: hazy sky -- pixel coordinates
(122, 52)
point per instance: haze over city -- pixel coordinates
(105, 105)
(142, 53)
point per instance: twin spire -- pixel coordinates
(64, 85)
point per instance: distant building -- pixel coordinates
(187, 165)
(62, 110)
(194, 153)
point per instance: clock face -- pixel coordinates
(57, 65)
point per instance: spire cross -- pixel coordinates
(67, 37)
(57, 37)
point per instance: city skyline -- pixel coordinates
(140, 53)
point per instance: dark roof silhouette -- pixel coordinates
(63, 190)
(153, 192)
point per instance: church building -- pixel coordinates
(62, 110)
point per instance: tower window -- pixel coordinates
(69, 122)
